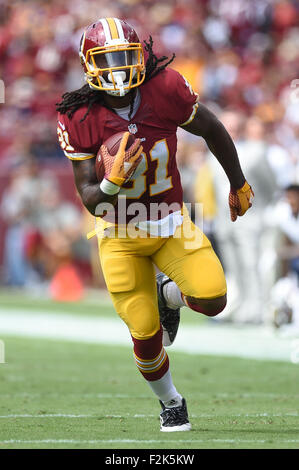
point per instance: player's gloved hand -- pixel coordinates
(240, 200)
(119, 169)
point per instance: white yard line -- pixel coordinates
(141, 441)
(61, 415)
(254, 342)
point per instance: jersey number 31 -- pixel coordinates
(159, 152)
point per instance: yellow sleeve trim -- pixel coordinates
(79, 156)
(195, 107)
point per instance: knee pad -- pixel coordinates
(140, 313)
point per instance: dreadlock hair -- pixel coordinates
(71, 101)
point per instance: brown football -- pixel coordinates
(112, 144)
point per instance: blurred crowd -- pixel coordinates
(241, 56)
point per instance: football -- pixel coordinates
(112, 144)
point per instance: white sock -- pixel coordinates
(166, 391)
(172, 295)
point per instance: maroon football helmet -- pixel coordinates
(112, 56)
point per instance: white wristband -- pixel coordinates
(109, 188)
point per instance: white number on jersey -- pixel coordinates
(159, 152)
(64, 140)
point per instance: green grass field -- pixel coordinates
(64, 394)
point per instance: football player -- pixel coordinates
(127, 92)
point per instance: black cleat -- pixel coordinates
(170, 318)
(174, 419)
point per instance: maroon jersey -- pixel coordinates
(167, 101)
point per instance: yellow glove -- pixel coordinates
(120, 168)
(240, 200)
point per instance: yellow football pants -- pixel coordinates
(128, 269)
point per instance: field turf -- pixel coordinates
(64, 394)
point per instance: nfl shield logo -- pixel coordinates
(132, 128)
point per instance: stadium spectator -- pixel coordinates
(245, 245)
(17, 210)
(285, 293)
(229, 50)
(288, 220)
(43, 230)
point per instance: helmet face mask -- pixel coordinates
(115, 64)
